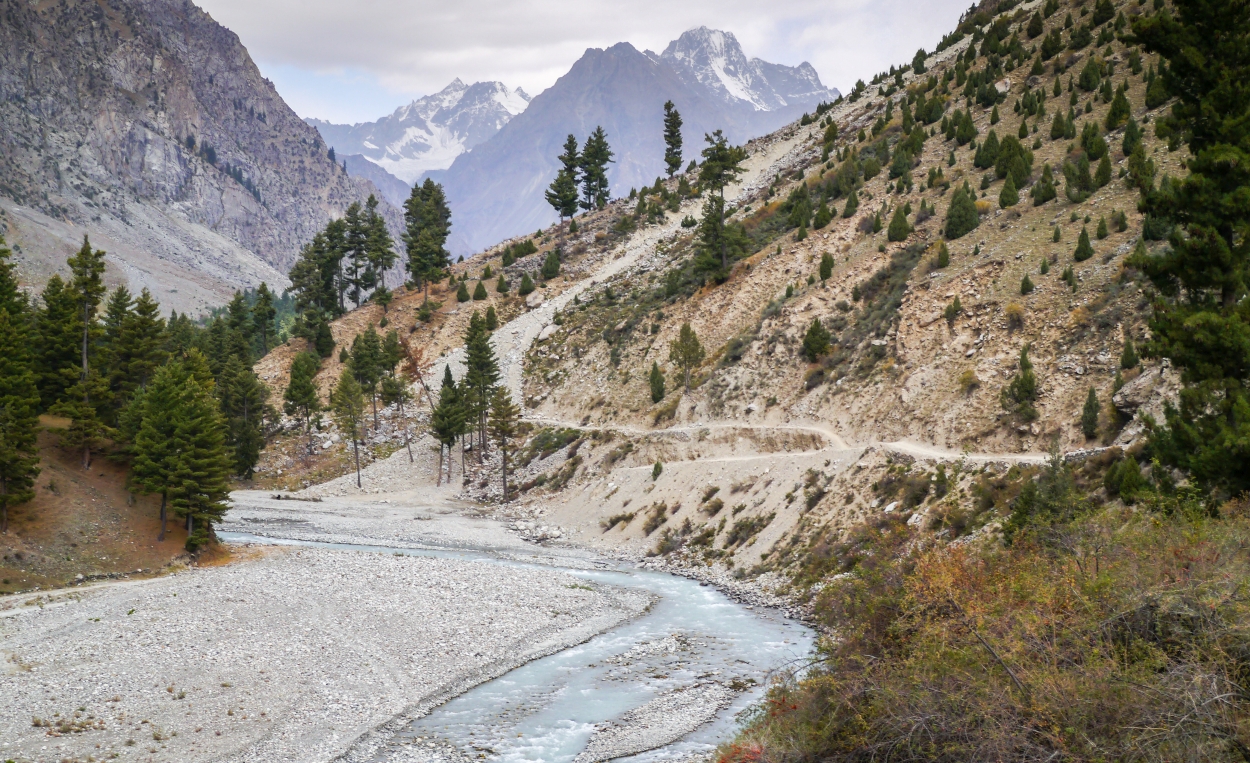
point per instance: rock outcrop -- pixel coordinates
(145, 124)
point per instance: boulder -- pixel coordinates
(1147, 395)
(535, 299)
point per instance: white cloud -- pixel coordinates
(418, 47)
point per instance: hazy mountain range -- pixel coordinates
(494, 148)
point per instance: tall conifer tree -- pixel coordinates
(672, 139)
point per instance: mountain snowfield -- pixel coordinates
(429, 133)
(714, 60)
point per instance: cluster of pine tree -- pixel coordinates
(178, 401)
(347, 260)
(478, 409)
(587, 168)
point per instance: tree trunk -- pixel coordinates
(373, 399)
(503, 451)
(190, 525)
(439, 479)
(356, 450)
(724, 252)
(403, 422)
(164, 514)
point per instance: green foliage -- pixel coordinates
(943, 255)
(551, 265)
(526, 287)
(672, 138)
(1089, 415)
(1084, 250)
(686, 352)
(347, 403)
(1008, 197)
(899, 228)
(657, 383)
(1128, 358)
(1020, 393)
(479, 292)
(593, 164)
(962, 217)
(462, 293)
(1026, 285)
(19, 398)
(816, 341)
(300, 398)
(504, 426)
(826, 266)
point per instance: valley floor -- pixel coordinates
(289, 654)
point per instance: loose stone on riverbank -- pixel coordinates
(292, 656)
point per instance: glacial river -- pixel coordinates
(547, 710)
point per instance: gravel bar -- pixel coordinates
(294, 655)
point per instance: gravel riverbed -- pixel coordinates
(291, 655)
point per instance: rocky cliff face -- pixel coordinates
(145, 124)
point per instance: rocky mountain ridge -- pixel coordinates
(428, 134)
(146, 125)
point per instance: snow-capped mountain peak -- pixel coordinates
(429, 133)
(714, 59)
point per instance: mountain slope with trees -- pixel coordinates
(146, 124)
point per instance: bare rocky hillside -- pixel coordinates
(145, 124)
(769, 448)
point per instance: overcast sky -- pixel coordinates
(352, 62)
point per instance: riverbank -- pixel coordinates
(293, 655)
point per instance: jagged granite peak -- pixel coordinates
(496, 190)
(429, 133)
(146, 125)
(714, 59)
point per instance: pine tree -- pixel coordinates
(816, 341)
(826, 266)
(722, 164)
(595, 157)
(527, 285)
(943, 255)
(462, 293)
(501, 286)
(562, 195)
(1020, 394)
(479, 292)
(1128, 358)
(481, 375)
(1089, 415)
(347, 402)
(551, 265)
(492, 319)
(899, 228)
(427, 223)
(263, 315)
(852, 205)
(300, 399)
(505, 420)
(672, 138)
(962, 217)
(686, 352)
(86, 290)
(1083, 248)
(1026, 285)
(1008, 197)
(657, 383)
(201, 464)
(242, 398)
(366, 366)
(19, 400)
(447, 421)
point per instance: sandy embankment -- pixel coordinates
(292, 656)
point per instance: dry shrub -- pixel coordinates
(1015, 315)
(1078, 318)
(1119, 634)
(968, 381)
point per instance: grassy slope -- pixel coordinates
(82, 523)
